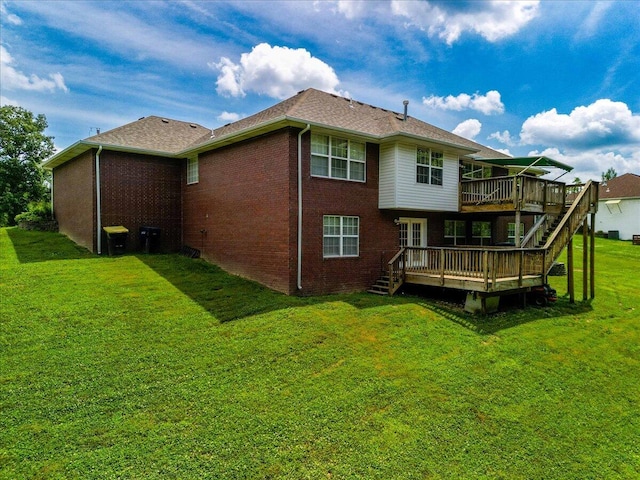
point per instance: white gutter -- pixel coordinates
(98, 207)
(306, 129)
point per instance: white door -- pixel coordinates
(413, 233)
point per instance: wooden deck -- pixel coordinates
(490, 270)
(512, 194)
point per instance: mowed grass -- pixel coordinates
(166, 367)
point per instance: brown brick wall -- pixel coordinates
(74, 199)
(139, 190)
(242, 206)
(378, 233)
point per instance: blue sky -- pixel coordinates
(551, 77)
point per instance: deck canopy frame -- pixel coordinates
(527, 162)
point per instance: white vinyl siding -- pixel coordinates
(399, 188)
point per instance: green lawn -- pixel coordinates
(165, 367)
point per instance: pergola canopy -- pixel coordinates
(525, 162)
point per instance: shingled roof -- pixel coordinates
(173, 138)
(332, 111)
(624, 186)
(153, 133)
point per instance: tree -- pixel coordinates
(609, 174)
(23, 147)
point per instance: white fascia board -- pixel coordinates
(82, 146)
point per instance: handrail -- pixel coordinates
(396, 270)
(489, 265)
(519, 191)
(534, 229)
(586, 199)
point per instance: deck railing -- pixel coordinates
(518, 192)
(487, 265)
(586, 201)
(490, 265)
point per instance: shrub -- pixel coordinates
(37, 217)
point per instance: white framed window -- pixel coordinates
(482, 231)
(429, 166)
(192, 171)
(341, 236)
(335, 157)
(455, 229)
(511, 232)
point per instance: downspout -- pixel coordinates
(299, 279)
(98, 207)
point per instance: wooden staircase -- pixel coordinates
(381, 287)
(489, 270)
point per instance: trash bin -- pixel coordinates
(150, 239)
(116, 239)
(614, 235)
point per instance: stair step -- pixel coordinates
(377, 292)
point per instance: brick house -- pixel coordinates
(313, 195)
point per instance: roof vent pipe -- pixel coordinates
(406, 105)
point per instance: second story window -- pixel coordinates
(336, 157)
(429, 166)
(192, 171)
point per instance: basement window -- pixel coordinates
(341, 236)
(457, 230)
(192, 171)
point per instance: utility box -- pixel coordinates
(614, 235)
(116, 239)
(150, 239)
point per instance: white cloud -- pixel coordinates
(13, 79)
(468, 129)
(229, 117)
(589, 164)
(492, 20)
(353, 8)
(7, 101)
(603, 123)
(503, 137)
(593, 21)
(9, 17)
(278, 72)
(487, 104)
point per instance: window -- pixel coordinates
(481, 230)
(340, 236)
(192, 170)
(335, 157)
(511, 232)
(455, 229)
(429, 166)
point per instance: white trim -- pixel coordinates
(98, 203)
(299, 272)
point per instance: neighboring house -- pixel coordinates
(311, 196)
(619, 206)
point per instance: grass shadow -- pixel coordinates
(33, 246)
(229, 297)
(450, 305)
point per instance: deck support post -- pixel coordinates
(585, 258)
(570, 279)
(592, 251)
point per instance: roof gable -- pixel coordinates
(624, 186)
(154, 134)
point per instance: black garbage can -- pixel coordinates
(150, 239)
(116, 239)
